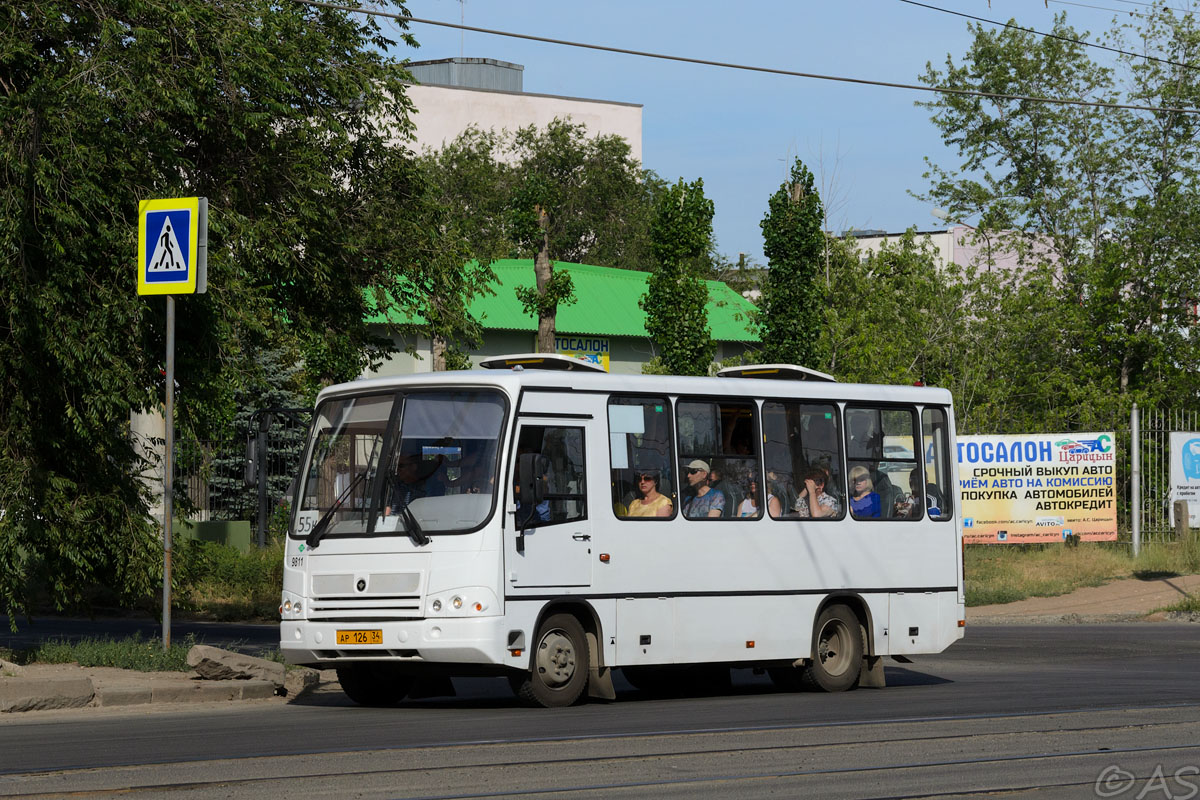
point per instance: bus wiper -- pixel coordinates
(413, 528)
(318, 531)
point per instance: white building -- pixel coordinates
(452, 94)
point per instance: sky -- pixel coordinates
(740, 131)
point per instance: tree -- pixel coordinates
(895, 315)
(284, 116)
(553, 194)
(677, 297)
(1101, 204)
(468, 189)
(790, 311)
(575, 199)
(278, 384)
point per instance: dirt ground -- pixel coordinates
(1120, 601)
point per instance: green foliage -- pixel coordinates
(894, 316)
(283, 116)
(134, 652)
(276, 384)
(790, 312)
(557, 194)
(676, 297)
(597, 199)
(1102, 207)
(559, 289)
(215, 581)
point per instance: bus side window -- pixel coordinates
(643, 480)
(935, 437)
(881, 447)
(803, 454)
(723, 437)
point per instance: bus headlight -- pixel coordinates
(462, 602)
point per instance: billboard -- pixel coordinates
(1038, 487)
(588, 348)
(1185, 474)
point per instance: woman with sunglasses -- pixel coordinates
(864, 500)
(649, 502)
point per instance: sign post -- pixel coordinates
(172, 259)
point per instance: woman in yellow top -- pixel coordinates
(651, 502)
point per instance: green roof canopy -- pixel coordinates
(606, 303)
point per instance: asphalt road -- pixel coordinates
(1042, 710)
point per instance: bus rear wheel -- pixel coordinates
(837, 650)
(373, 684)
(560, 665)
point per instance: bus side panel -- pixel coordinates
(645, 630)
(745, 628)
(922, 622)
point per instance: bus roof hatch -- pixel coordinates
(784, 372)
(555, 361)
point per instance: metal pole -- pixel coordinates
(169, 474)
(1135, 446)
(260, 455)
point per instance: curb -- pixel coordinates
(43, 694)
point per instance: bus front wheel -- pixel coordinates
(373, 684)
(837, 650)
(560, 664)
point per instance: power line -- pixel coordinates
(1047, 35)
(746, 67)
(1099, 8)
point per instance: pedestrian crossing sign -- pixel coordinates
(173, 246)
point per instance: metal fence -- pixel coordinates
(220, 484)
(1153, 496)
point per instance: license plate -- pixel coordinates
(360, 637)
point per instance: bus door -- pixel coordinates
(549, 541)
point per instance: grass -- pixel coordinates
(136, 653)
(133, 652)
(1007, 573)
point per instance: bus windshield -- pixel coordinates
(415, 463)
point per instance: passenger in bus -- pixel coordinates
(704, 501)
(650, 502)
(865, 441)
(932, 495)
(814, 501)
(718, 483)
(864, 500)
(749, 506)
(529, 514)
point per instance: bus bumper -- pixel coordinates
(438, 640)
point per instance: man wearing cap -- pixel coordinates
(706, 501)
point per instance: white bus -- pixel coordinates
(550, 523)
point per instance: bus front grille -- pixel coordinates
(338, 608)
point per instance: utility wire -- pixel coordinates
(1099, 8)
(747, 67)
(1047, 35)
